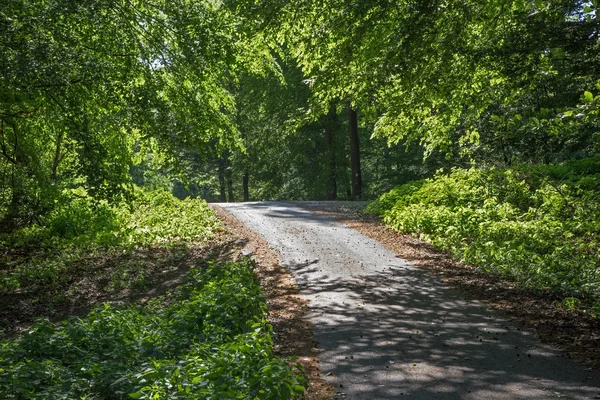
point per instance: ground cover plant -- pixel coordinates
(46, 257)
(208, 339)
(86, 252)
(123, 301)
(537, 224)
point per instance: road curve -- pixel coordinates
(388, 330)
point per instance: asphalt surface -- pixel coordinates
(388, 330)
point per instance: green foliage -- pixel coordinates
(207, 340)
(87, 85)
(152, 216)
(387, 200)
(441, 75)
(78, 218)
(80, 225)
(159, 216)
(538, 224)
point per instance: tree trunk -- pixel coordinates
(228, 178)
(230, 198)
(222, 193)
(354, 154)
(58, 156)
(18, 161)
(246, 192)
(330, 125)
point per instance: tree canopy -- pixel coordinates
(87, 85)
(246, 87)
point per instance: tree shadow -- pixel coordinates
(413, 336)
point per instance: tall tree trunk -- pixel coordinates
(330, 126)
(18, 161)
(388, 164)
(58, 156)
(246, 191)
(354, 154)
(222, 193)
(228, 176)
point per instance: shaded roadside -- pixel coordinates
(115, 276)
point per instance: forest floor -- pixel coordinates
(113, 276)
(393, 317)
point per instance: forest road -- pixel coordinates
(388, 330)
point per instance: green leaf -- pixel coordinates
(588, 96)
(299, 389)
(136, 395)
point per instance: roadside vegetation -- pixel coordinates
(206, 337)
(47, 253)
(536, 224)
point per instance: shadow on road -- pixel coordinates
(419, 339)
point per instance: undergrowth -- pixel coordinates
(47, 252)
(206, 340)
(537, 224)
(151, 217)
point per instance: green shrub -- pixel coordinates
(152, 216)
(207, 340)
(539, 225)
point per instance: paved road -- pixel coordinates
(387, 330)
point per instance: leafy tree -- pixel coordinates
(85, 81)
(436, 72)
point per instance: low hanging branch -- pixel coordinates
(18, 114)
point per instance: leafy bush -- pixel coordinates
(152, 216)
(207, 340)
(537, 224)
(78, 217)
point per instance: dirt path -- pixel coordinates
(386, 329)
